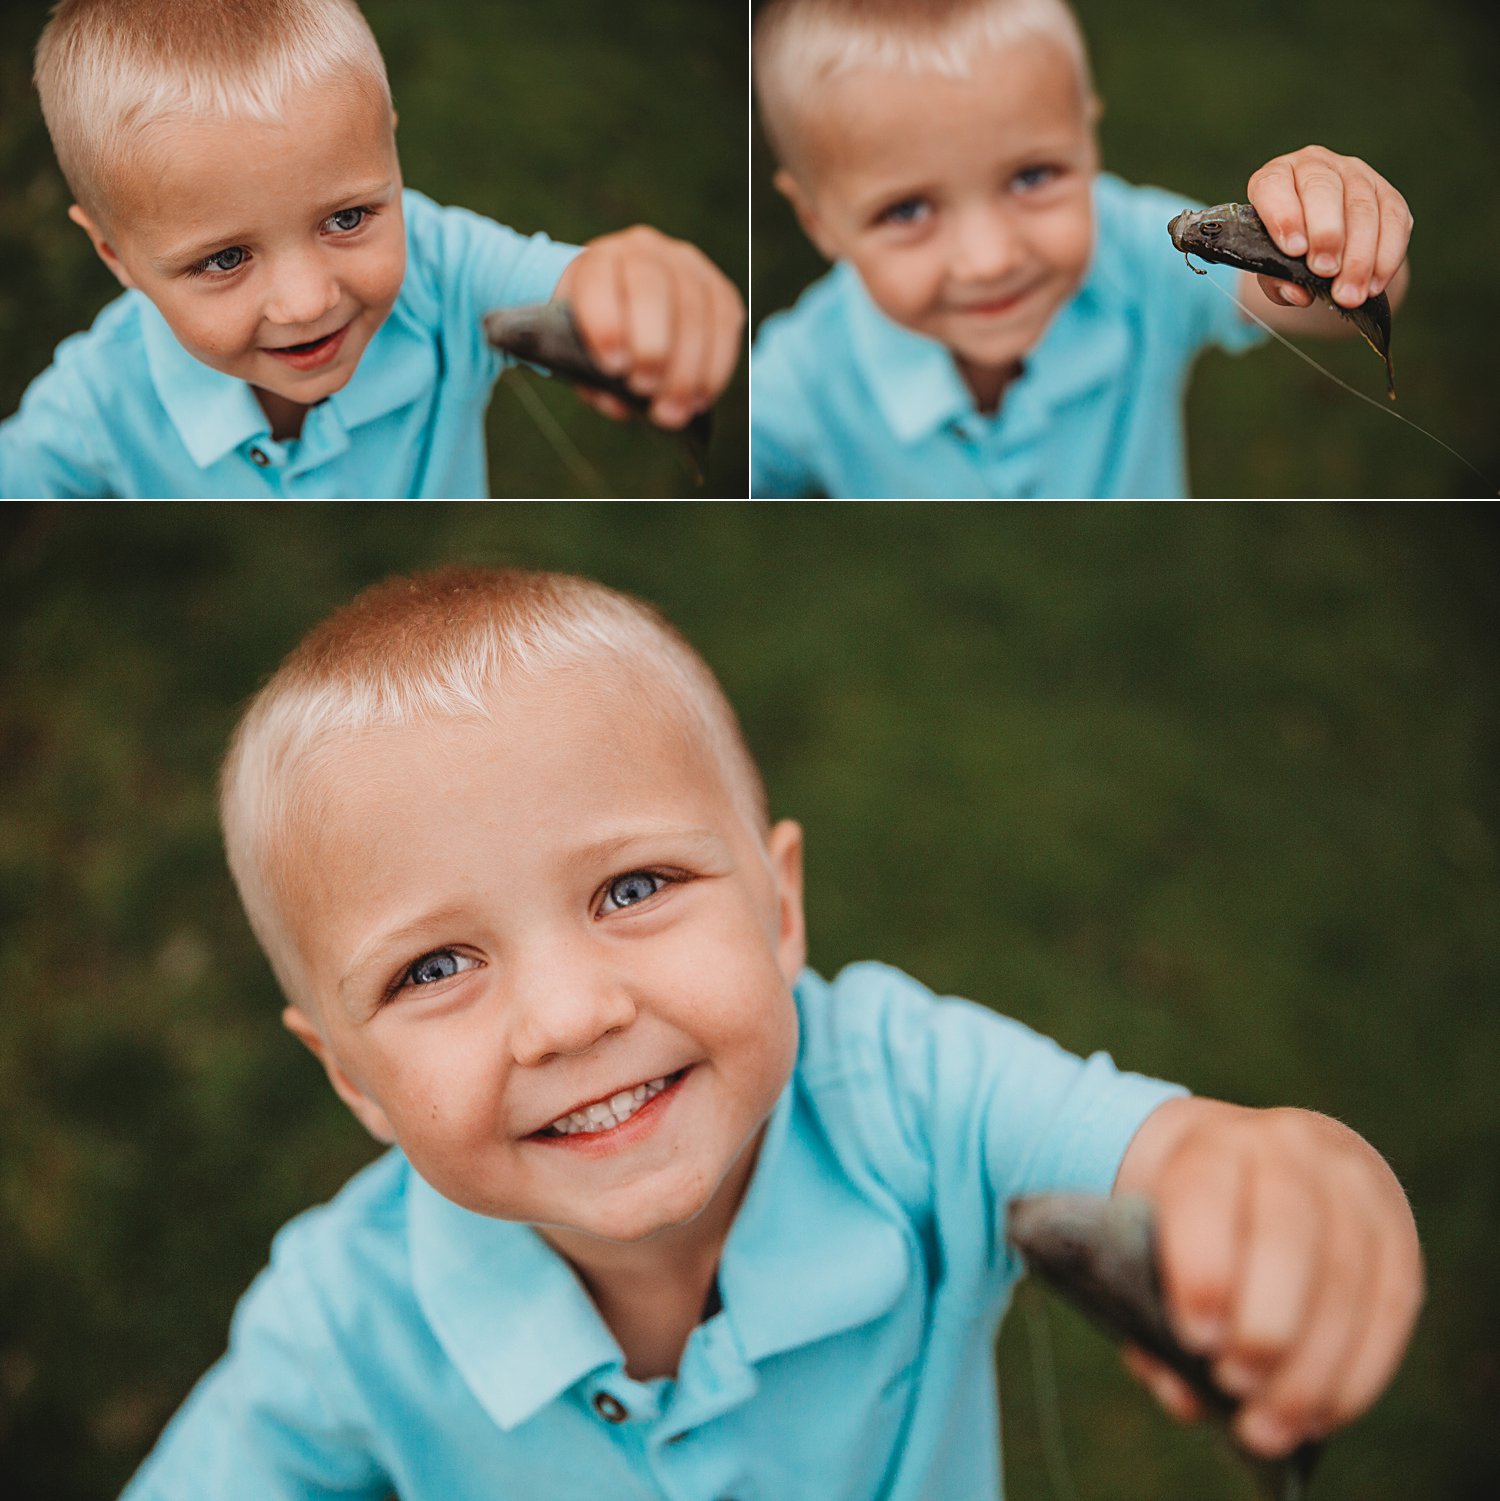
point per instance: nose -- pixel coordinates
(566, 1007)
(986, 244)
(303, 290)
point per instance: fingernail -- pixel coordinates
(1324, 264)
(669, 414)
(1201, 1333)
(1296, 244)
(1234, 1378)
(1264, 1433)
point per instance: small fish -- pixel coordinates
(544, 333)
(1100, 1254)
(1233, 235)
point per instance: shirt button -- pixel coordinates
(260, 456)
(611, 1409)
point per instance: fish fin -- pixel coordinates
(1373, 319)
(695, 440)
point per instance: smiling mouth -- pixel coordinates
(604, 1115)
(306, 348)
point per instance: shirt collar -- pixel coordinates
(215, 413)
(507, 1309)
(916, 383)
(809, 1255)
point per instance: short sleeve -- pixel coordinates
(1194, 310)
(277, 1419)
(984, 1109)
(49, 448)
(467, 265)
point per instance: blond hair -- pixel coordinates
(798, 45)
(106, 70)
(443, 645)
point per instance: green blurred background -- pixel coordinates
(1213, 788)
(1196, 98)
(576, 117)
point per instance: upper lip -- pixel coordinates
(311, 339)
(605, 1098)
(973, 304)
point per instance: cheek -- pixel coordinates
(902, 284)
(218, 327)
(377, 280)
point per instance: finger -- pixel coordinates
(1273, 192)
(684, 382)
(1394, 1299)
(1287, 293)
(602, 401)
(1276, 1277)
(1361, 237)
(1395, 235)
(1299, 1401)
(1164, 1384)
(1199, 1230)
(650, 320)
(1321, 190)
(597, 294)
(728, 330)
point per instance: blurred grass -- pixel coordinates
(576, 119)
(1196, 98)
(1213, 788)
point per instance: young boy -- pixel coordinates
(295, 324)
(668, 1213)
(1003, 320)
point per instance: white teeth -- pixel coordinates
(606, 1114)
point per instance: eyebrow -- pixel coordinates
(393, 939)
(188, 254)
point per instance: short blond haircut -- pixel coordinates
(799, 45)
(106, 70)
(444, 645)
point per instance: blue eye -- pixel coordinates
(630, 889)
(908, 211)
(1034, 177)
(440, 964)
(230, 259)
(347, 219)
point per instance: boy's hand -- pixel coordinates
(659, 314)
(1349, 222)
(1289, 1259)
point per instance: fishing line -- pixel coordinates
(1303, 355)
(1044, 1388)
(589, 479)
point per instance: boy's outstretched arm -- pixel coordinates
(1349, 222)
(1289, 1258)
(657, 312)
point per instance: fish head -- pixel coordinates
(1225, 232)
(528, 333)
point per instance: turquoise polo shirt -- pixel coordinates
(125, 411)
(848, 404)
(398, 1343)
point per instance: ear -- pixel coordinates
(784, 847)
(101, 245)
(366, 1111)
(807, 216)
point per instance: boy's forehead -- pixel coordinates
(186, 172)
(873, 120)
